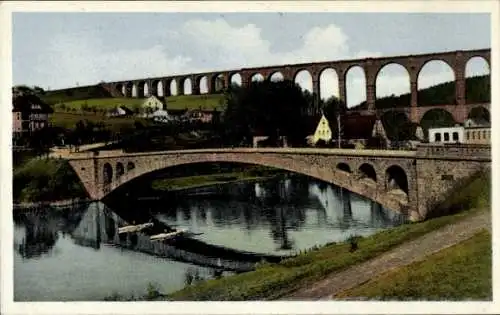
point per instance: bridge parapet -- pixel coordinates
(471, 152)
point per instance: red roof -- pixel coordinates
(357, 126)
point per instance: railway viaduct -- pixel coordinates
(218, 80)
(409, 182)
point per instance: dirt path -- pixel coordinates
(402, 255)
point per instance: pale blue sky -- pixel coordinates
(59, 50)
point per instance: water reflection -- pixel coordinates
(274, 216)
(78, 254)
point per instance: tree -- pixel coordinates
(268, 107)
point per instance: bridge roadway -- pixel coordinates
(410, 182)
(316, 151)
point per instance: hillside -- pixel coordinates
(477, 91)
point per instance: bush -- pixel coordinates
(46, 180)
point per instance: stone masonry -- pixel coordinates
(217, 80)
(423, 175)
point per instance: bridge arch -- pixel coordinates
(173, 88)
(120, 170)
(479, 113)
(392, 86)
(396, 178)
(235, 78)
(435, 72)
(107, 174)
(130, 166)
(256, 77)
(436, 118)
(478, 84)
(155, 88)
(344, 167)
(187, 85)
(203, 84)
(304, 79)
(217, 83)
(120, 88)
(355, 78)
(276, 76)
(368, 171)
(328, 83)
(147, 165)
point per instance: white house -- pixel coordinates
(161, 116)
(120, 111)
(446, 134)
(153, 103)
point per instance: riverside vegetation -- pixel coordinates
(270, 282)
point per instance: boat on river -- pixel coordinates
(134, 228)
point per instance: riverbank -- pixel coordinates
(271, 282)
(198, 181)
(459, 272)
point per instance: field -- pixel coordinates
(206, 102)
(69, 120)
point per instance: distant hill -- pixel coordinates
(75, 94)
(478, 90)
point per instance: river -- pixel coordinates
(77, 255)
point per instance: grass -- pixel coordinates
(460, 272)
(180, 102)
(69, 120)
(211, 179)
(102, 103)
(273, 281)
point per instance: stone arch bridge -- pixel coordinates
(403, 181)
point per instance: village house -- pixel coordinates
(472, 131)
(161, 115)
(153, 103)
(357, 131)
(446, 134)
(29, 114)
(203, 116)
(120, 111)
(363, 130)
(323, 131)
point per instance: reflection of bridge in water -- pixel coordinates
(99, 225)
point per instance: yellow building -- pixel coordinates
(323, 131)
(477, 134)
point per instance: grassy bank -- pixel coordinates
(68, 120)
(460, 272)
(206, 102)
(274, 281)
(253, 173)
(46, 180)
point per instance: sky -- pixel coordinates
(58, 50)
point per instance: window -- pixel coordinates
(468, 135)
(446, 137)
(437, 137)
(473, 135)
(484, 134)
(455, 136)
